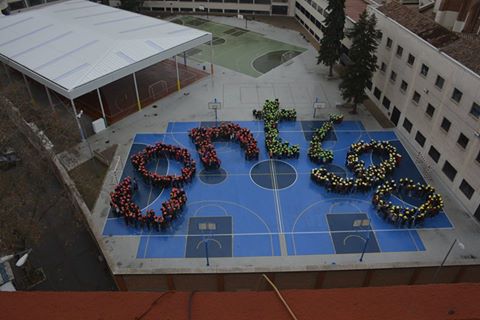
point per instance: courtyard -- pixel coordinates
(301, 226)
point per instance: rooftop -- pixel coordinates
(353, 8)
(436, 302)
(464, 50)
(74, 44)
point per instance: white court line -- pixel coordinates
(276, 233)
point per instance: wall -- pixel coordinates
(300, 280)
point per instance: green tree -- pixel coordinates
(131, 5)
(332, 30)
(363, 60)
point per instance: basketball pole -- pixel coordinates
(136, 92)
(206, 252)
(101, 105)
(178, 76)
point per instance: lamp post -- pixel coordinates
(461, 245)
(21, 261)
(79, 116)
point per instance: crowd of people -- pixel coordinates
(372, 174)
(336, 118)
(364, 177)
(122, 205)
(315, 151)
(406, 215)
(272, 115)
(203, 139)
(140, 159)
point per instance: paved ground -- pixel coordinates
(296, 84)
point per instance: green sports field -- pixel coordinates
(239, 49)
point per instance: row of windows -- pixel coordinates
(231, 1)
(232, 11)
(447, 168)
(312, 32)
(430, 111)
(309, 16)
(457, 94)
(317, 7)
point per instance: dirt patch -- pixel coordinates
(89, 176)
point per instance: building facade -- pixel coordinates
(428, 84)
(228, 7)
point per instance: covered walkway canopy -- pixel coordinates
(75, 47)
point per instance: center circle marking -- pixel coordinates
(273, 174)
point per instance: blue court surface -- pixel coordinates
(270, 207)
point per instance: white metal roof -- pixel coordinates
(74, 47)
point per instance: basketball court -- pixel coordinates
(239, 49)
(271, 207)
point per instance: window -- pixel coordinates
(434, 154)
(393, 76)
(466, 189)
(399, 51)
(457, 95)
(475, 110)
(403, 86)
(445, 124)
(369, 85)
(449, 170)
(407, 125)
(463, 140)
(420, 138)
(430, 110)
(377, 93)
(380, 36)
(386, 103)
(383, 67)
(416, 97)
(478, 157)
(424, 70)
(439, 82)
(411, 59)
(389, 43)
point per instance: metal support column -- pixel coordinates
(101, 106)
(28, 88)
(136, 92)
(7, 72)
(178, 76)
(185, 58)
(211, 58)
(49, 98)
(77, 120)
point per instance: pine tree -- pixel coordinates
(332, 30)
(363, 60)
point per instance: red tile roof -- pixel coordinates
(459, 48)
(353, 8)
(435, 302)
